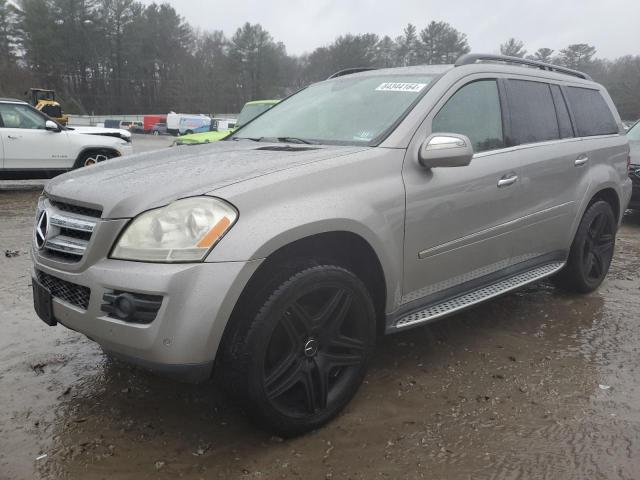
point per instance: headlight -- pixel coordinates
(183, 231)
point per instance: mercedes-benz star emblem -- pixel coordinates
(42, 228)
(311, 348)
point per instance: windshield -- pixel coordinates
(634, 132)
(251, 111)
(347, 110)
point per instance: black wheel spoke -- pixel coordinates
(303, 317)
(595, 232)
(349, 343)
(335, 311)
(604, 249)
(316, 386)
(292, 333)
(284, 377)
(341, 359)
(597, 263)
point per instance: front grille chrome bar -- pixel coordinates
(68, 245)
(72, 223)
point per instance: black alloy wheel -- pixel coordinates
(591, 251)
(598, 248)
(315, 351)
(305, 353)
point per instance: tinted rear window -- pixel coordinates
(591, 113)
(532, 112)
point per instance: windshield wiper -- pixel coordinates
(294, 140)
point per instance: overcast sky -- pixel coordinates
(613, 26)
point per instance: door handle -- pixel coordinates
(506, 181)
(13, 137)
(581, 160)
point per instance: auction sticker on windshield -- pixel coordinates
(400, 87)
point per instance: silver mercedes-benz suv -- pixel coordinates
(369, 203)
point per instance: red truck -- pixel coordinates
(150, 120)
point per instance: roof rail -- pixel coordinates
(349, 71)
(472, 58)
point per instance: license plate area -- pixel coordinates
(43, 303)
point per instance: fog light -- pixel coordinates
(131, 307)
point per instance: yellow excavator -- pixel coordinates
(45, 101)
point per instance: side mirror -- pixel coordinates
(445, 150)
(51, 126)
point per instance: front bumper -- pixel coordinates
(184, 337)
(126, 149)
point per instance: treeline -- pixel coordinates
(120, 56)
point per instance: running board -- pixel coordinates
(447, 307)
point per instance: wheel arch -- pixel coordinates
(340, 247)
(88, 150)
(610, 196)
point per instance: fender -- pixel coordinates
(328, 196)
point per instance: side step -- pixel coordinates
(447, 307)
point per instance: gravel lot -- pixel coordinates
(535, 384)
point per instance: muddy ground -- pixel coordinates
(534, 385)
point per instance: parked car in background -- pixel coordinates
(250, 111)
(369, 203)
(159, 129)
(34, 146)
(220, 124)
(634, 164)
(136, 127)
(126, 124)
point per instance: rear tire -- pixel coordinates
(301, 348)
(591, 251)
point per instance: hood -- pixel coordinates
(105, 132)
(124, 187)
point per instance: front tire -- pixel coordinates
(592, 250)
(298, 360)
(91, 158)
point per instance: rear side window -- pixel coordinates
(591, 113)
(532, 112)
(564, 120)
(474, 111)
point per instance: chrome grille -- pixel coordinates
(69, 231)
(70, 208)
(66, 291)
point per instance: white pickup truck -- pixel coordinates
(34, 146)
